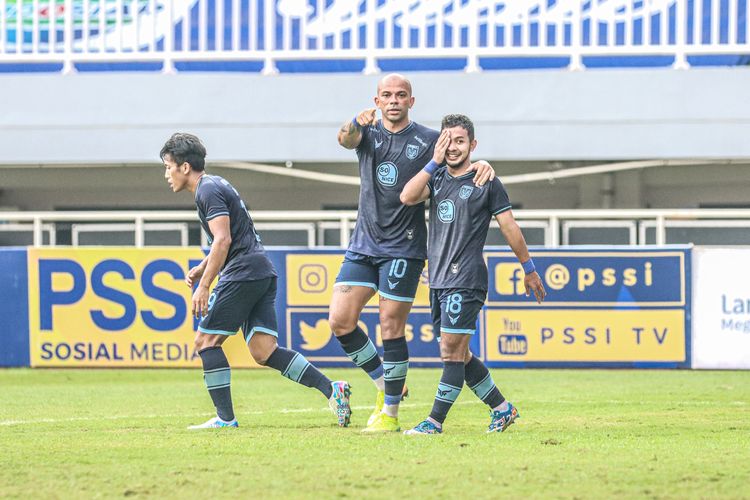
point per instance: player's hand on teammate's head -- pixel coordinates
(533, 282)
(368, 117)
(484, 172)
(441, 146)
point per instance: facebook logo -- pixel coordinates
(509, 279)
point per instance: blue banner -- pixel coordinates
(14, 308)
(594, 277)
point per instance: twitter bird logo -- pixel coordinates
(315, 337)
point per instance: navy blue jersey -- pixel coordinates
(460, 215)
(247, 259)
(387, 161)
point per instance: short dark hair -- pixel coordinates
(450, 121)
(183, 148)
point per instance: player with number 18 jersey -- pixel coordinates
(460, 213)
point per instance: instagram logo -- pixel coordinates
(313, 278)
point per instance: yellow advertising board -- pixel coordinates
(127, 307)
(585, 336)
(115, 307)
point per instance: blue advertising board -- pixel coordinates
(14, 308)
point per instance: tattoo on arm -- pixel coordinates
(348, 129)
(349, 135)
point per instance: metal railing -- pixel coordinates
(270, 31)
(77, 230)
(314, 224)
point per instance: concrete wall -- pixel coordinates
(92, 140)
(520, 115)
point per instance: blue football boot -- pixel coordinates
(501, 420)
(424, 427)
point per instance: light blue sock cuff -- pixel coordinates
(484, 387)
(296, 368)
(365, 354)
(395, 370)
(218, 378)
(447, 393)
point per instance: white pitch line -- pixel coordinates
(9, 423)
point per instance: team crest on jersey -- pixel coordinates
(409, 234)
(465, 192)
(387, 174)
(446, 211)
(412, 151)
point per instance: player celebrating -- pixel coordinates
(459, 219)
(388, 247)
(245, 295)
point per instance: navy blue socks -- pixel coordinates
(294, 366)
(395, 366)
(448, 390)
(480, 381)
(360, 349)
(217, 374)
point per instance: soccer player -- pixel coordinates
(245, 295)
(388, 247)
(460, 213)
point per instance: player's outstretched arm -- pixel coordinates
(350, 134)
(416, 190)
(517, 242)
(220, 230)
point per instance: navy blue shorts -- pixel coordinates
(250, 305)
(456, 310)
(395, 279)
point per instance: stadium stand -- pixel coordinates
(658, 79)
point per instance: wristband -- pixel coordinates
(430, 167)
(528, 266)
(355, 123)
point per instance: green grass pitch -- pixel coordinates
(582, 434)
